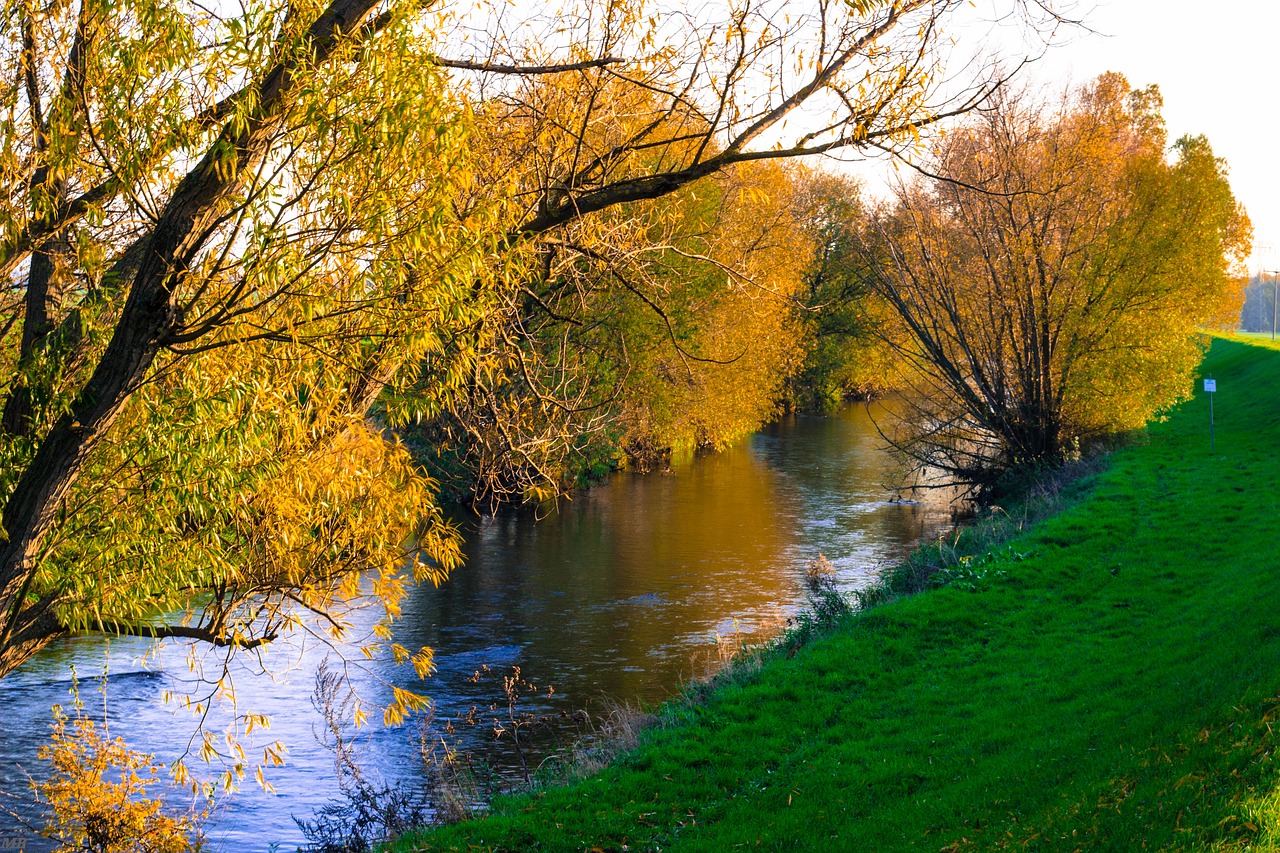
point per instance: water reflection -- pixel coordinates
(613, 595)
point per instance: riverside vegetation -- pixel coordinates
(1107, 680)
(242, 251)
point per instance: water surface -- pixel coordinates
(617, 594)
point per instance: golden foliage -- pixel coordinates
(1054, 279)
(244, 242)
(100, 795)
(741, 341)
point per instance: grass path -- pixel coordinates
(1112, 684)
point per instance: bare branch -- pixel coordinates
(526, 70)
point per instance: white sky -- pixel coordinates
(1218, 67)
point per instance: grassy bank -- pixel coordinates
(1111, 683)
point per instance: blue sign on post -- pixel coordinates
(1210, 386)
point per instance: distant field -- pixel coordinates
(1252, 337)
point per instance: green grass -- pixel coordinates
(1114, 689)
(1253, 338)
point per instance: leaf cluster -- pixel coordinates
(101, 794)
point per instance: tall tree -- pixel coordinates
(226, 238)
(1053, 276)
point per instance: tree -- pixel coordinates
(733, 287)
(210, 298)
(1053, 274)
(227, 238)
(654, 328)
(845, 324)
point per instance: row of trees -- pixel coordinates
(1041, 284)
(228, 236)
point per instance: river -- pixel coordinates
(618, 593)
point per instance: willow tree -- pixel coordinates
(225, 239)
(654, 328)
(1052, 277)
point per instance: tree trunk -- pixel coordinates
(149, 316)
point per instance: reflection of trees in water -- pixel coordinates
(618, 575)
(859, 504)
(612, 595)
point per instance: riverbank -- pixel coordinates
(1109, 681)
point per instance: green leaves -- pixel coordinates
(241, 480)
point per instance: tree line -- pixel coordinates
(1041, 284)
(243, 254)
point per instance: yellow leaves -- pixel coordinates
(749, 196)
(208, 751)
(403, 703)
(273, 755)
(182, 777)
(255, 721)
(99, 794)
(423, 662)
(399, 653)
(1064, 305)
(864, 7)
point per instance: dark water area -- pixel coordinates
(616, 595)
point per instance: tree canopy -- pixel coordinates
(1052, 276)
(228, 236)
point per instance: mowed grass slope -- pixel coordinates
(1112, 685)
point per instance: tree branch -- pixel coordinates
(184, 632)
(494, 68)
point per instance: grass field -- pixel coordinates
(1253, 337)
(1112, 683)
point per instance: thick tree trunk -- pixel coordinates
(150, 314)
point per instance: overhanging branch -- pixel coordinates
(497, 68)
(185, 632)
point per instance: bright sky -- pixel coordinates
(1218, 67)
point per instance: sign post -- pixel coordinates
(1210, 386)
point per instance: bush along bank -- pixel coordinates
(1108, 680)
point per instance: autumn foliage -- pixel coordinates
(1053, 276)
(238, 244)
(102, 795)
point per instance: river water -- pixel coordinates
(618, 594)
